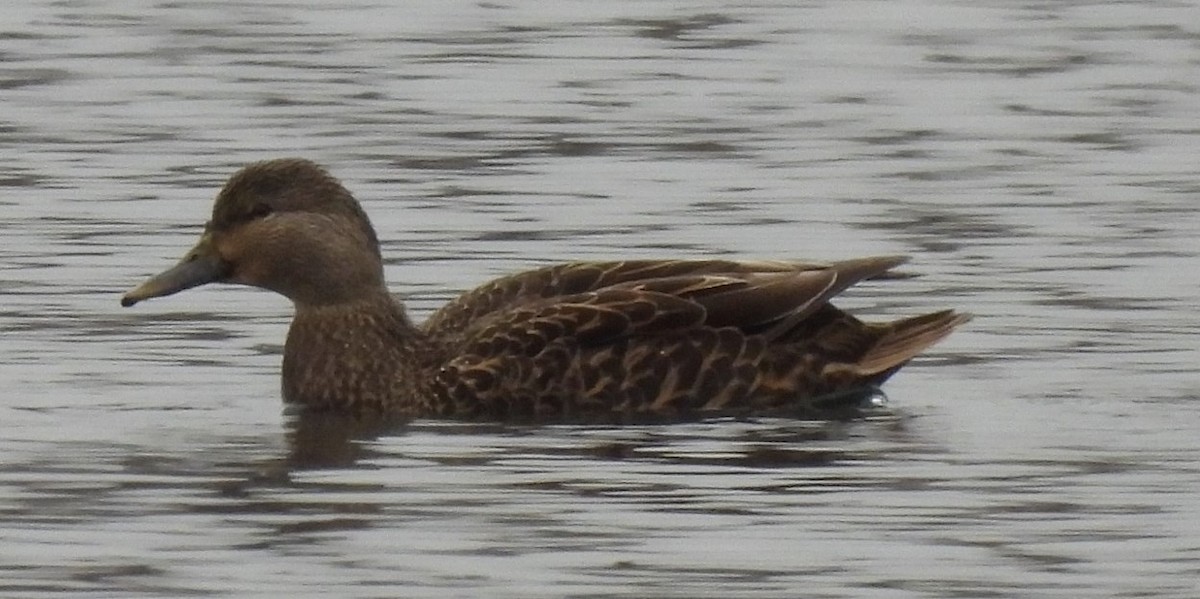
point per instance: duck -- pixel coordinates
(663, 340)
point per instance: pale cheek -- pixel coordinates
(259, 258)
(246, 271)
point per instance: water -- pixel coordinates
(1037, 159)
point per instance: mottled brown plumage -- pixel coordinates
(586, 341)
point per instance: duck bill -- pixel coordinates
(201, 265)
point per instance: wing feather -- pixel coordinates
(668, 338)
(581, 277)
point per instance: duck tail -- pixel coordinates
(904, 339)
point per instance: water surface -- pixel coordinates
(1038, 160)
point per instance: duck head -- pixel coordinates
(284, 225)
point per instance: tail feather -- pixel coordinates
(907, 338)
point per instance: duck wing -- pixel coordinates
(704, 276)
(705, 337)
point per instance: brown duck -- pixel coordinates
(585, 341)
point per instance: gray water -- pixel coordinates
(1037, 159)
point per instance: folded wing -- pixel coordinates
(668, 338)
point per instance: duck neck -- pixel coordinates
(358, 355)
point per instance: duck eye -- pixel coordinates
(259, 210)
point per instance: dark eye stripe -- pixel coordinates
(259, 210)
